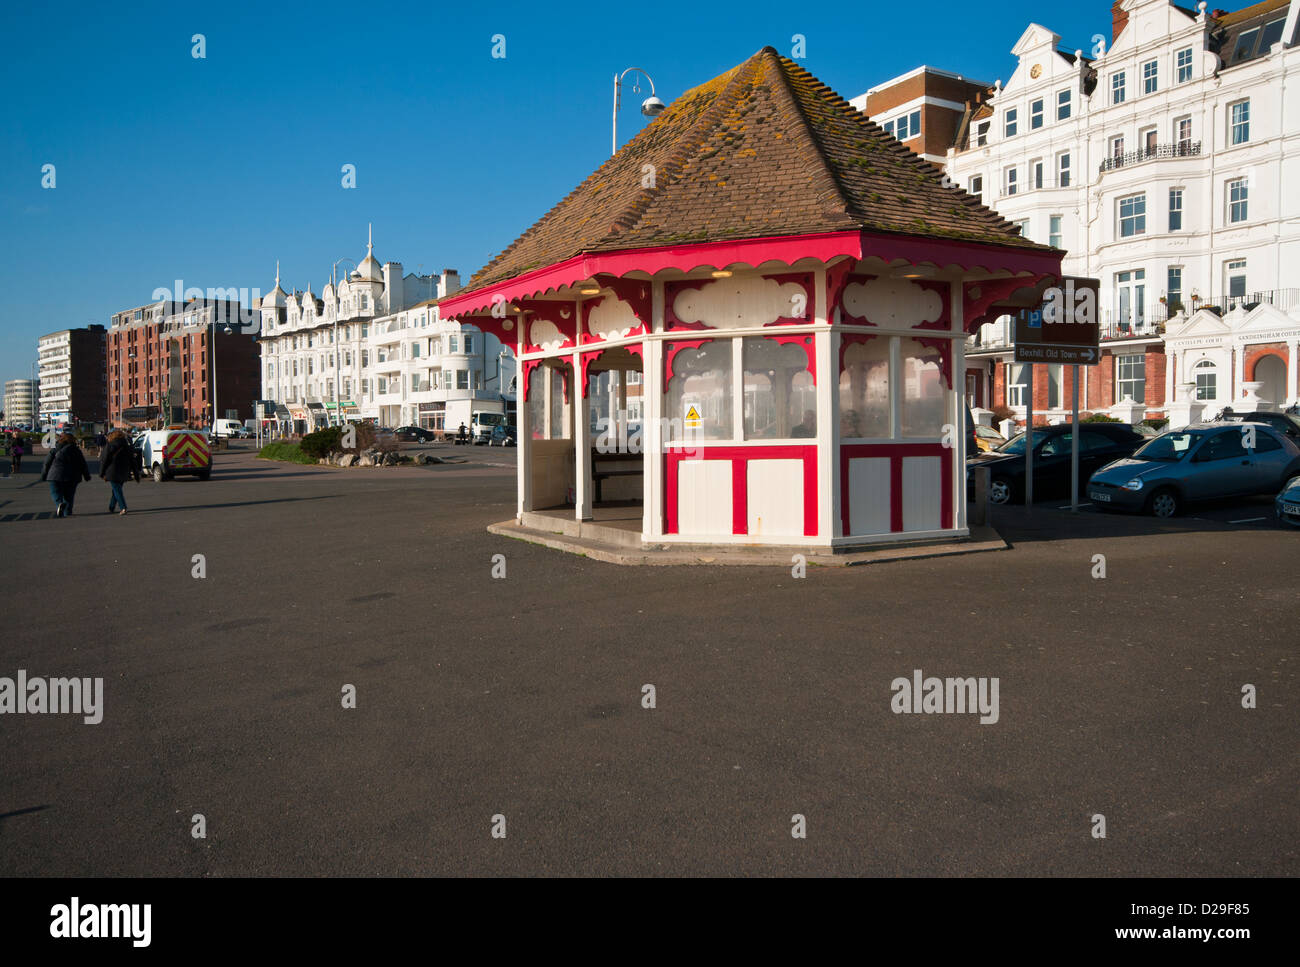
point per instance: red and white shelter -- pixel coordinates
(751, 320)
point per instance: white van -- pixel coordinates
(227, 428)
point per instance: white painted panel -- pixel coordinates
(869, 495)
(775, 498)
(922, 493)
(704, 497)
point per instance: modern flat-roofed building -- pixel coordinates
(21, 401)
(72, 387)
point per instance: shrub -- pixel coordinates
(1156, 422)
(1002, 412)
(1097, 418)
(322, 443)
(288, 452)
(365, 433)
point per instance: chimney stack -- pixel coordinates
(1118, 19)
(448, 283)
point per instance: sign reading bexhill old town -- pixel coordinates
(1064, 328)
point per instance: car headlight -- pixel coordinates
(1135, 484)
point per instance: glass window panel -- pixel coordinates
(864, 390)
(924, 392)
(559, 405)
(537, 403)
(698, 406)
(780, 397)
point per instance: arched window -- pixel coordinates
(1206, 375)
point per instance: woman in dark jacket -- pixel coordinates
(65, 467)
(16, 446)
(117, 466)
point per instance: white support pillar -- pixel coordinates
(581, 444)
(825, 355)
(652, 434)
(828, 465)
(652, 430)
(958, 417)
(1238, 374)
(524, 432)
(958, 410)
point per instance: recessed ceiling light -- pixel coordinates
(722, 274)
(590, 290)
(914, 272)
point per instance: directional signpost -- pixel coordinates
(1063, 330)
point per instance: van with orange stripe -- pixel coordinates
(176, 450)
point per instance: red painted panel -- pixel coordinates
(754, 252)
(895, 452)
(671, 349)
(805, 342)
(740, 457)
(671, 291)
(847, 339)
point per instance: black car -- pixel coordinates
(503, 435)
(1099, 444)
(414, 434)
(1284, 423)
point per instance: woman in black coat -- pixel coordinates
(65, 467)
(117, 466)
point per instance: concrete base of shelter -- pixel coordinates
(617, 540)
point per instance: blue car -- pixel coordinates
(1200, 462)
(1287, 503)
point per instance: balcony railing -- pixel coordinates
(1181, 149)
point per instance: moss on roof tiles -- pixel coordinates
(793, 157)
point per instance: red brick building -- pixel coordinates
(171, 361)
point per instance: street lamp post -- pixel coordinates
(215, 411)
(651, 107)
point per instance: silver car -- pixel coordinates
(1200, 462)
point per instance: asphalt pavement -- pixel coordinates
(517, 702)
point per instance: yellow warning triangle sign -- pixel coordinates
(693, 414)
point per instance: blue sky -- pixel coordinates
(169, 167)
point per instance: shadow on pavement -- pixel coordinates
(235, 503)
(1047, 522)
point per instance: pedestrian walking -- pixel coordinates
(117, 465)
(65, 468)
(15, 453)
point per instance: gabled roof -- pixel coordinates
(763, 150)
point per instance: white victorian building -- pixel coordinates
(1166, 165)
(373, 345)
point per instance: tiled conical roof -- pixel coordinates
(763, 150)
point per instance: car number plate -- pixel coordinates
(1291, 508)
(1104, 498)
